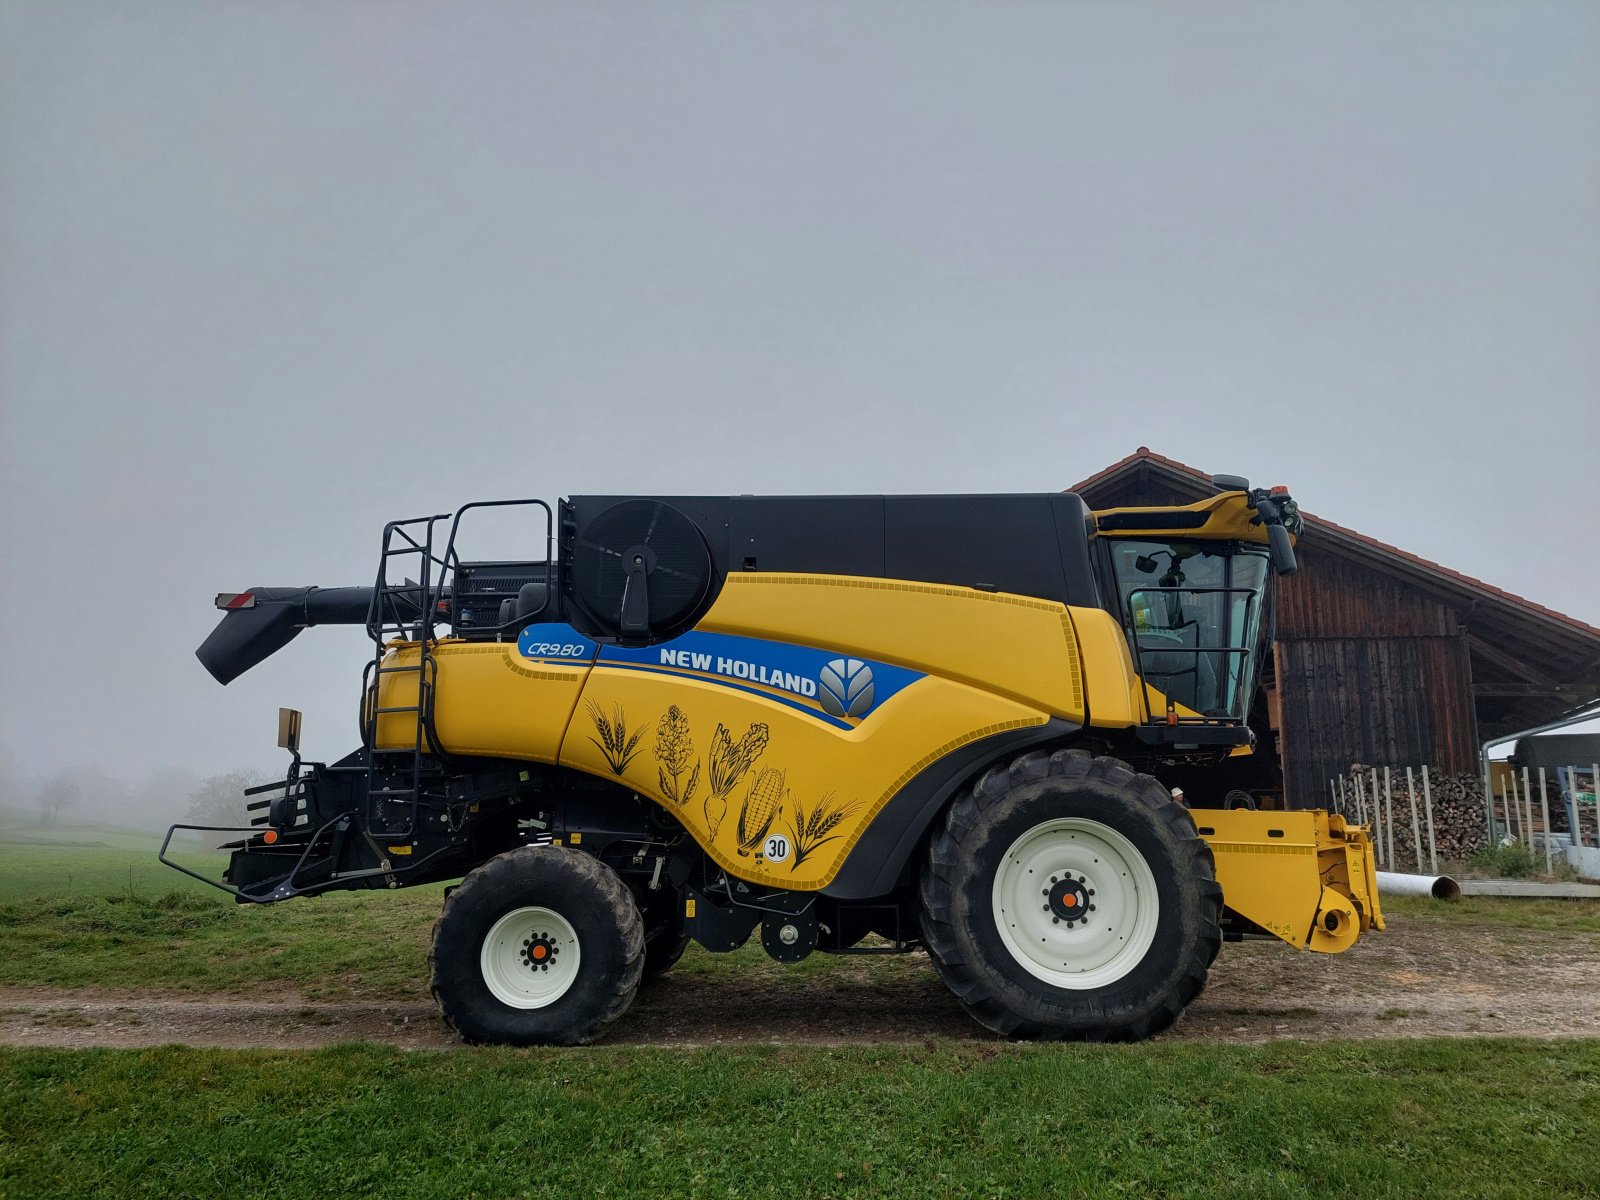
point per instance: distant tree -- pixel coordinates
(60, 794)
(220, 800)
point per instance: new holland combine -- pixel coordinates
(841, 724)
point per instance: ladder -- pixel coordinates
(404, 611)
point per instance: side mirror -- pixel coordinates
(1282, 550)
(289, 730)
(1230, 483)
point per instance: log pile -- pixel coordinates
(1458, 823)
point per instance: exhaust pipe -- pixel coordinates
(258, 623)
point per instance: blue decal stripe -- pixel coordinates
(795, 703)
(827, 685)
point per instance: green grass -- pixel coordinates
(1449, 1118)
(1556, 916)
(69, 917)
(40, 861)
(372, 945)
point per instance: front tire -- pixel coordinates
(542, 945)
(1069, 897)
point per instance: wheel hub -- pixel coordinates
(539, 951)
(1068, 900)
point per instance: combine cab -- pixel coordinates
(936, 722)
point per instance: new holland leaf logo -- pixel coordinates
(846, 688)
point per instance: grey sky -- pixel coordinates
(271, 274)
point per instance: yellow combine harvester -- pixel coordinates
(948, 721)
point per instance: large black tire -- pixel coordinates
(549, 899)
(665, 937)
(662, 952)
(1027, 815)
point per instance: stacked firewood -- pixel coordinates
(1459, 830)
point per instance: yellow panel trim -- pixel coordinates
(530, 673)
(1246, 848)
(934, 756)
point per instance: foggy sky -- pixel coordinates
(272, 274)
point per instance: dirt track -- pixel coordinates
(1422, 978)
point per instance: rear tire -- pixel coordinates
(662, 952)
(542, 945)
(1069, 897)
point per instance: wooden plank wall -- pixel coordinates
(1371, 671)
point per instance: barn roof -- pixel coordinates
(1530, 664)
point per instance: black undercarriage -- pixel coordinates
(320, 830)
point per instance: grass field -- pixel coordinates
(1460, 1118)
(95, 909)
(42, 861)
(1448, 1117)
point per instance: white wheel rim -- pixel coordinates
(530, 958)
(1075, 903)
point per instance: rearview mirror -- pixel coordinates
(289, 730)
(1282, 550)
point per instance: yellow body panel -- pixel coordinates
(813, 785)
(1112, 686)
(1306, 876)
(1020, 646)
(488, 700)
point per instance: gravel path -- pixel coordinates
(1420, 979)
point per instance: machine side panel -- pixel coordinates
(490, 698)
(774, 784)
(1014, 646)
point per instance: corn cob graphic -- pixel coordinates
(761, 805)
(726, 764)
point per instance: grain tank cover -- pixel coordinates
(1028, 544)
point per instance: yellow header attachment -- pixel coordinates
(1306, 877)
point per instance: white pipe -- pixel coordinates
(1440, 887)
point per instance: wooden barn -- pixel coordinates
(1381, 657)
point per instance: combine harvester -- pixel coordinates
(937, 719)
